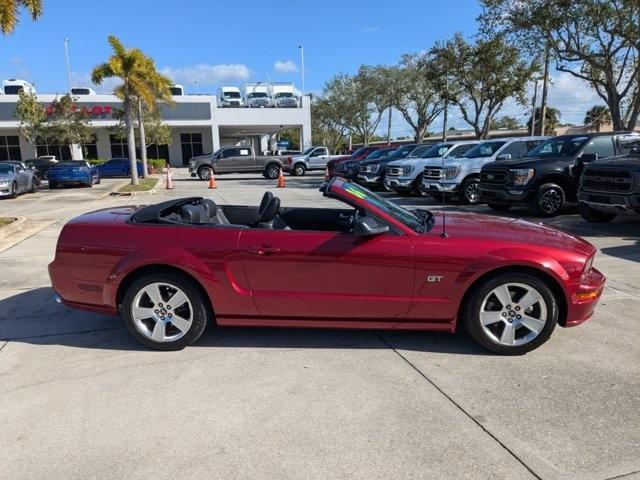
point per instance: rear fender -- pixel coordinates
(158, 255)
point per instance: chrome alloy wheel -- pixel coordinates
(162, 312)
(472, 193)
(551, 201)
(513, 314)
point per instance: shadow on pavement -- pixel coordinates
(33, 317)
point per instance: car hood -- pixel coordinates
(527, 162)
(510, 232)
(623, 162)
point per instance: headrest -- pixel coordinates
(190, 214)
(266, 198)
(271, 210)
(210, 207)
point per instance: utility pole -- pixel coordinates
(302, 66)
(533, 108)
(389, 127)
(545, 88)
(66, 59)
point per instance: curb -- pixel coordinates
(114, 189)
(12, 228)
(153, 191)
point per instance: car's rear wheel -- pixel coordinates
(548, 200)
(511, 313)
(34, 186)
(499, 207)
(298, 170)
(272, 171)
(204, 173)
(165, 311)
(595, 216)
(470, 191)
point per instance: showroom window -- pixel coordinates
(158, 151)
(119, 147)
(61, 152)
(191, 146)
(90, 150)
(10, 148)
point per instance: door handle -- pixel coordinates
(263, 250)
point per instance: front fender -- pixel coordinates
(157, 255)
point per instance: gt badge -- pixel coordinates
(434, 278)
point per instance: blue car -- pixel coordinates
(73, 173)
(118, 167)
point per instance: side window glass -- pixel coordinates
(601, 146)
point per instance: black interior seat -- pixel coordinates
(269, 214)
(266, 198)
(190, 214)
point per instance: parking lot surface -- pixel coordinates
(79, 398)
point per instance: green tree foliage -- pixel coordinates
(327, 126)
(506, 122)
(597, 116)
(593, 40)
(551, 121)
(32, 117)
(414, 88)
(9, 13)
(480, 76)
(66, 124)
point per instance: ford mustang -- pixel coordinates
(170, 268)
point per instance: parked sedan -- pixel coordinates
(73, 173)
(42, 165)
(16, 179)
(171, 268)
(118, 167)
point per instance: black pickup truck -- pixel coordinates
(609, 187)
(549, 175)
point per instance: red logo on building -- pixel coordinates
(95, 111)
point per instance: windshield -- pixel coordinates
(308, 151)
(359, 152)
(232, 94)
(559, 147)
(402, 152)
(404, 216)
(72, 164)
(4, 168)
(284, 94)
(484, 149)
(377, 154)
(257, 95)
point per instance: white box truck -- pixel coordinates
(14, 86)
(230, 97)
(257, 95)
(284, 95)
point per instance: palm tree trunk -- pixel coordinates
(131, 139)
(143, 141)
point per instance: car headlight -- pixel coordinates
(4, 182)
(451, 172)
(522, 176)
(588, 265)
(407, 170)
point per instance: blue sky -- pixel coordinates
(216, 43)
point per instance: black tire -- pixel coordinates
(34, 186)
(499, 207)
(199, 305)
(470, 191)
(53, 185)
(98, 180)
(204, 173)
(272, 171)
(470, 313)
(548, 200)
(298, 170)
(595, 216)
(13, 193)
(417, 184)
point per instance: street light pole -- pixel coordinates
(302, 66)
(66, 58)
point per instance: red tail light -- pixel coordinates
(290, 160)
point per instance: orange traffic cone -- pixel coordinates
(169, 183)
(212, 182)
(281, 183)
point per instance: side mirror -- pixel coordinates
(367, 226)
(588, 157)
(504, 156)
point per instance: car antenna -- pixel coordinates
(444, 201)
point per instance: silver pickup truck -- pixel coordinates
(237, 160)
(313, 158)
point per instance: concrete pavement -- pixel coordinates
(79, 398)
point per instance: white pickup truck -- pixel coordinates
(313, 158)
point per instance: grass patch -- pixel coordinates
(145, 185)
(6, 221)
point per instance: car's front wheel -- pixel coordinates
(13, 190)
(165, 311)
(204, 173)
(511, 313)
(548, 200)
(595, 216)
(470, 191)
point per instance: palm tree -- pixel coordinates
(597, 116)
(551, 121)
(9, 13)
(141, 83)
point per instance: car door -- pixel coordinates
(318, 158)
(107, 169)
(324, 276)
(22, 178)
(228, 161)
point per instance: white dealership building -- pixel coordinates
(198, 125)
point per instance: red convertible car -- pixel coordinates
(171, 268)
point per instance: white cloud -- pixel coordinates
(208, 74)
(286, 66)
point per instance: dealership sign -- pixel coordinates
(91, 110)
